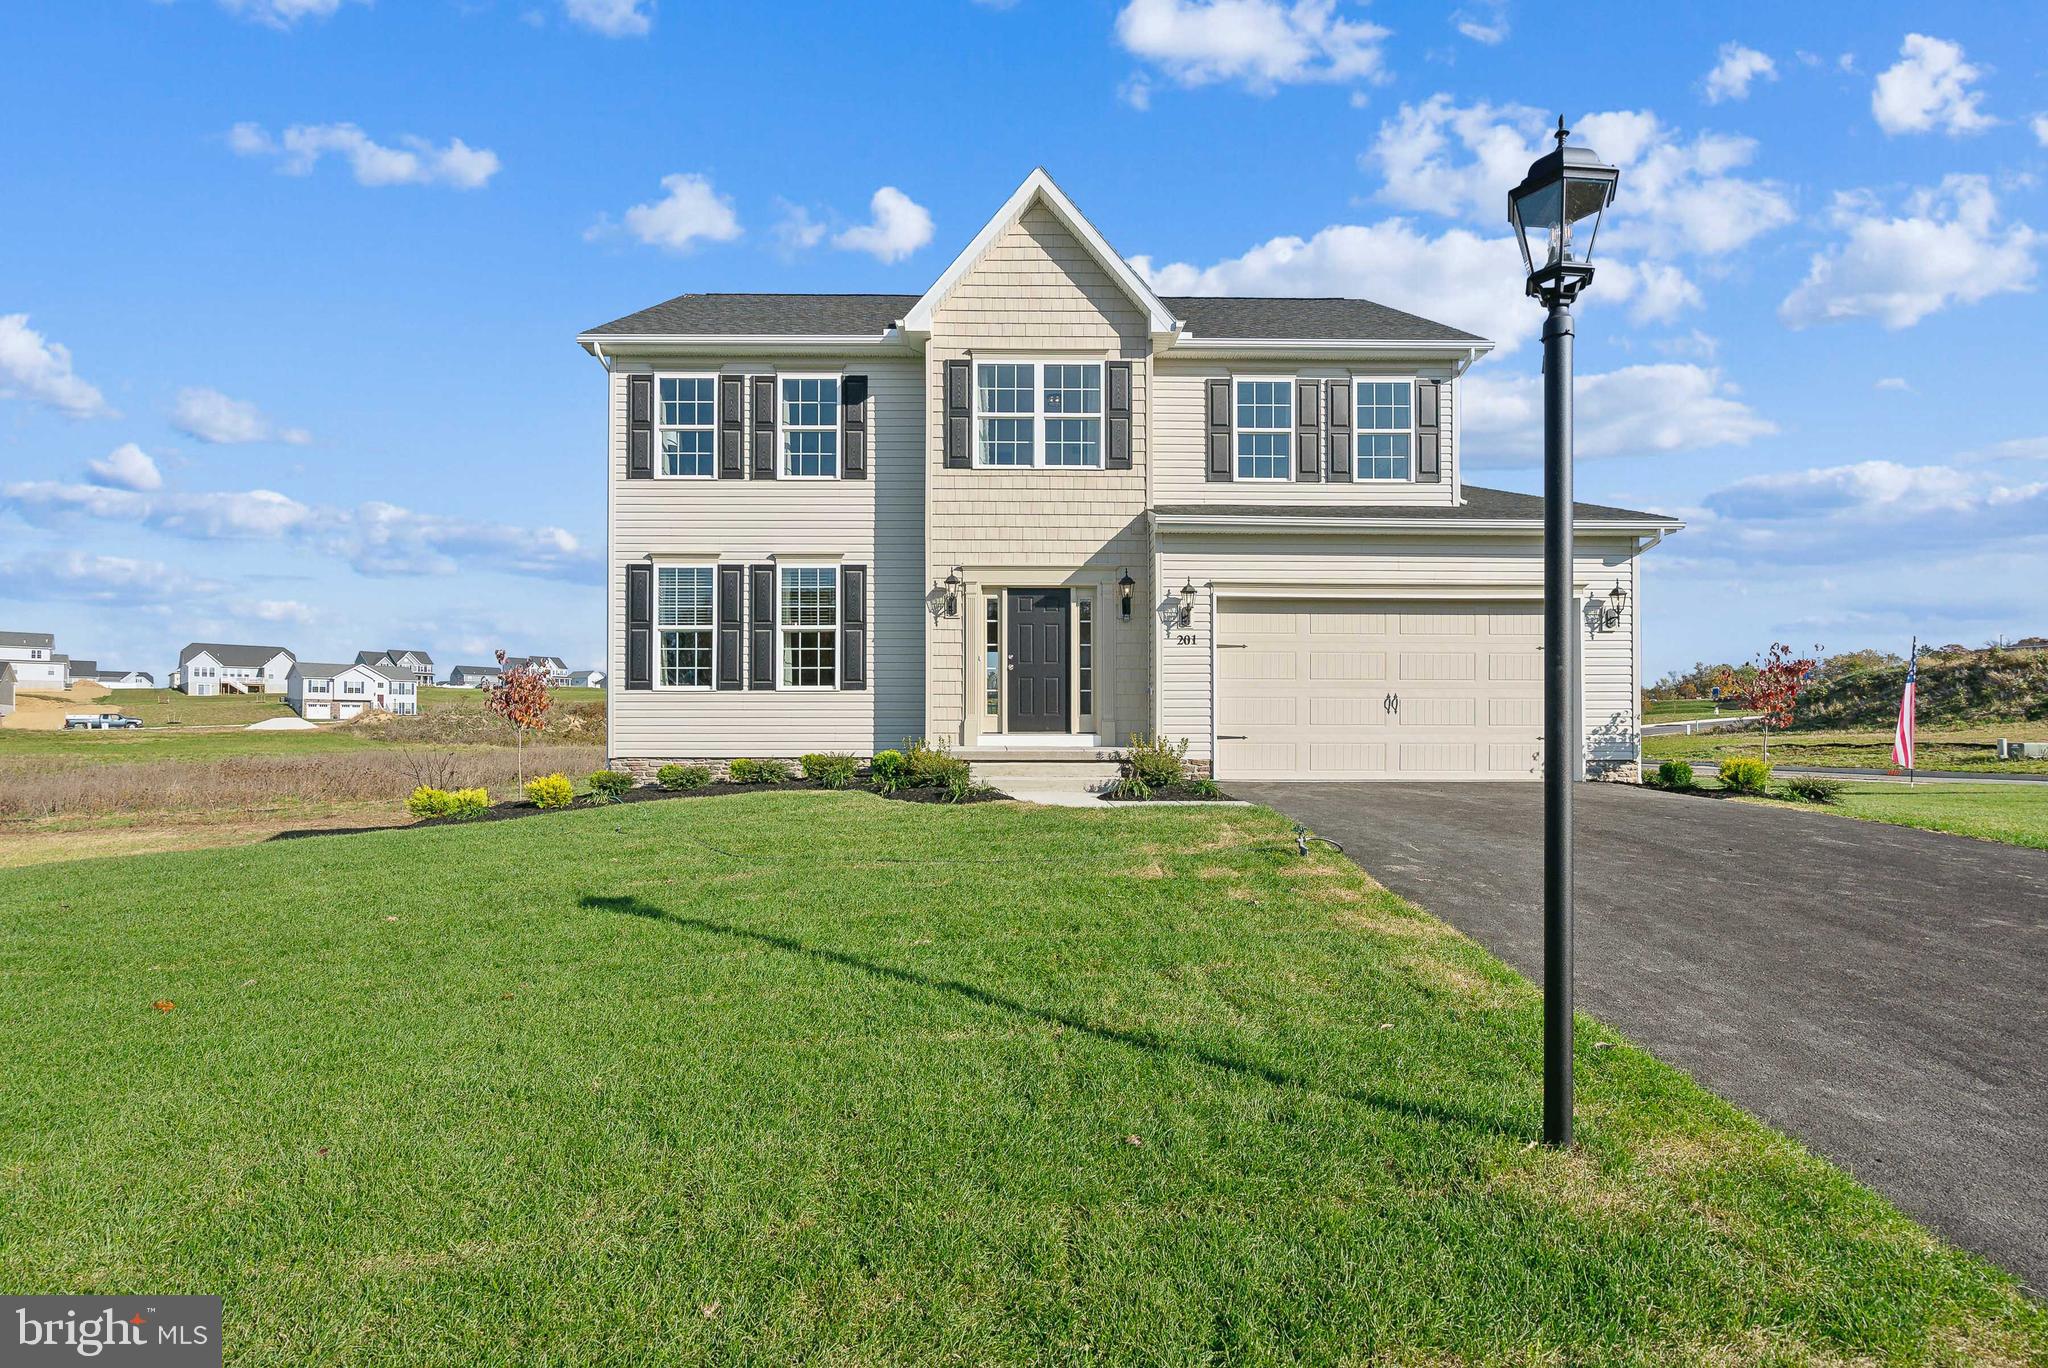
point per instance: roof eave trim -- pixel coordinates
(1238, 522)
(1040, 185)
(1191, 343)
(616, 343)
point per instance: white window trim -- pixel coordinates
(716, 417)
(1292, 398)
(837, 628)
(1357, 431)
(685, 563)
(1038, 414)
(781, 427)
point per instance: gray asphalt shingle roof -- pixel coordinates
(860, 315)
(1481, 505)
(241, 657)
(28, 640)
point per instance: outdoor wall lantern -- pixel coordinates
(1187, 603)
(1610, 615)
(1124, 585)
(945, 598)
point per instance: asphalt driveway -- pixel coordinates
(1877, 991)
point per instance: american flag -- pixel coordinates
(1902, 735)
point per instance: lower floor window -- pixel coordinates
(1382, 455)
(683, 617)
(810, 626)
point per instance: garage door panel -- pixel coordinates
(1436, 713)
(1438, 624)
(1331, 759)
(1507, 668)
(1269, 710)
(1347, 621)
(1257, 757)
(1521, 713)
(1326, 713)
(1437, 757)
(1423, 666)
(1527, 623)
(1256, 664)
(1336, 665)
(1506, 759)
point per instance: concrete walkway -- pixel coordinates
(1878, 991)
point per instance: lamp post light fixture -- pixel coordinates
(1187, 604)
(1124, 586)
(1555, 213)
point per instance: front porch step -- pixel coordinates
(1082, 769)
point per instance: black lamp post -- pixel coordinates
(1556, 215)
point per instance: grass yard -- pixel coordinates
(1940, 748)
(2016, 814)
(169, 708)
(436, 698)
(821, 1077)
(1685, 709)
(59, 750)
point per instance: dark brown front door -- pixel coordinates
(1038, 660)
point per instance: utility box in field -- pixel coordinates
(2022, 750)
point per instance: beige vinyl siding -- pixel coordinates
(1470, 567)
(1181, 437)
(1038, 294)
(876, 522)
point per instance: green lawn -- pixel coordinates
(2016, 814)
(435, 698)
(63, 750)
(1685, 709)
(168, 707)
(820, 1077)
(1939, 748)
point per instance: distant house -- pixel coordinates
(37, 665)
(586, 679)
(323, 692)
(6, 687)
(78, 671)
(474, 676)
(126, 679)
(418, 664)
(554, 668)
(207, 668)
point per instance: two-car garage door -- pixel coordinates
(1338, 689)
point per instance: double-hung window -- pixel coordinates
(1386, 429)
(1031, 413)
(682, 613)
(810, 426)
(809, 626)
(688, 423)
(1265, 429)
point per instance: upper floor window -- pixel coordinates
(688, 420)
(1386, 428)
(810, 426)
(1265, 429)
(809, 626)
(683, 618)
(1031, 413)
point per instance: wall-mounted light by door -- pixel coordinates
(944, 598)
(1187, 603)
(1125, 585)
(1610, 613)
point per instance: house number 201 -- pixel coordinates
(1184, 639)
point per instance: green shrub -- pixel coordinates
(931, 765)
(550, 791)
(759, 772)
(464, 804)
(830, 769)
(677, 778)
(1159, 763)
(1130, 786)
(608, 785)
(889, 770)
(1674, 774)
(1814, 788)
(1744, 775)
(1205, 787)
(430, 802)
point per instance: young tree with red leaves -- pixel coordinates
(521, 696)
(1771, 686)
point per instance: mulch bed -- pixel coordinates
(1173, 793)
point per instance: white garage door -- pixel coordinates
(348, 710)
(1336, 689)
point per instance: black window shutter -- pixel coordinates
(761, 589)
(732, 624)
(764, 427)
(959, 416)
(1116, 407)
(853, 427)
(1221, 464)
(639, 427)
(1428, 466)
(732, 445)
(853, 626)
(640, 626)
(1308, 431)
(1341, 445)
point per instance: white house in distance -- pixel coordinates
(6, 687)
(553, 668)
(322, 692)
(474, 676)
(418, 664)
(206, 668)
(586, 679)
(37, 665)
(126, 679)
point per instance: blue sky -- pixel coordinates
(288, 287)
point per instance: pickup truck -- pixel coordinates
(106, 721)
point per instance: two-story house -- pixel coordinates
(36, 661)
(206, 668)
(321, 692)
(553, 669)
(418, 664)
(1040, 508)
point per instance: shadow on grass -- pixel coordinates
(1138, 1040)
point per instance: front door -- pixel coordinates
(1038, 660)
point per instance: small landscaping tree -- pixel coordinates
(521, 696)
(1770, 686)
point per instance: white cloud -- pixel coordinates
(1878, 509)
(1259, 44)
(612, 18)
(2040, 127)
(1485, 22)
(87, 578)
(415, 162)
(281, 14)
(1677, 195)
(1894, 382)
(796, 231)
(376, 538)
(1136, 92)
(211, 416)
(289, 611)
(127, 466)
(33, 367)
(691, 211)
(1633, 411)
(899, 226)
(1737, 68)
(1950, 247)
(1929, 88)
